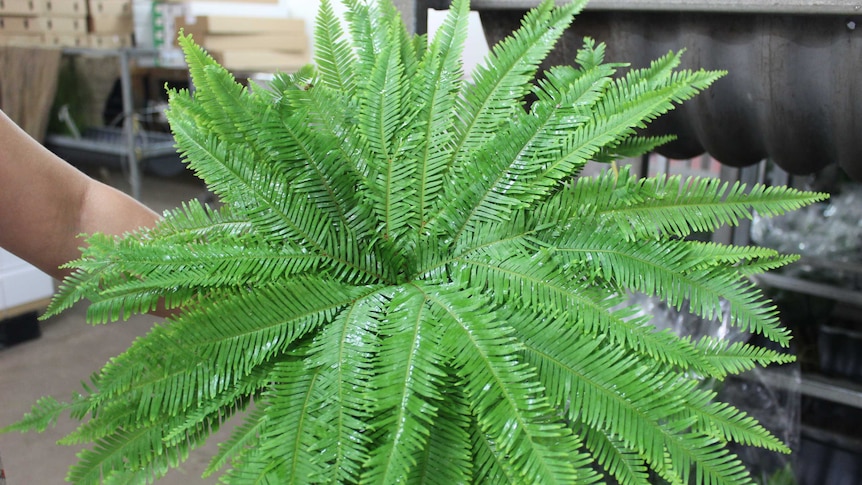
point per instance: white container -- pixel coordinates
(23, 287)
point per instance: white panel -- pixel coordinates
(24, 285)
(10, 261)
(279, 9)
(476, 46)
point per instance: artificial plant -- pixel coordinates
(408, 282)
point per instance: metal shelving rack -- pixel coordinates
(815, 385)
(836, 390)
(129, 142)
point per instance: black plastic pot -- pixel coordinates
(18, 329)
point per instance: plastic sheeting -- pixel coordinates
(829, 230)
(777, 408)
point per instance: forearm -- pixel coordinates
(46, 203)
(107, 210)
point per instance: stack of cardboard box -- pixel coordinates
(66, 23)
(110, 23)
(240, 43)
(40, 22)
(17, 24)
(249, 44)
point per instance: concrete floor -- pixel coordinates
(66, 354)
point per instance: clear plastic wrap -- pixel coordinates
(821, 304)
(828, 234)
(775, 405)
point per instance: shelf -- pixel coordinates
(31, 306)
(832, 439)
(109, 141)
(815, 385)
(154, 152)
(830, 389)
(809, 287)
(125, 56)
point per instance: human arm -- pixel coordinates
(45, 204)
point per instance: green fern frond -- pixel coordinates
(446, 458)
(189, 269)
(43, 415)
(408, 281)
(632, 147)
(704, 459)
(343, 353)
(714, 254)
(501, 173)
(621, 109)
(382, 109)
(498, 87)
(194, 222)
(622, 463)
(225, 107)
(674, 205)
(527, 432)
(596, 309)
(307, 162)
(491, 467)
(221, 408)
(437, 86)
(735, 358)
(139, 451)
(731, 424)
(287, 433)
(500, 84)
(238, 183)
(589, 377)
(332, 53)
(405, 397)
(665, 268)
(243, 438)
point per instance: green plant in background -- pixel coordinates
(408, 283)
(781, 476)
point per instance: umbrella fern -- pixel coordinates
(408, 281)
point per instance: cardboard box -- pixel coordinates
(111, 24)
(42, 25)
(109, 41)
(64, 8)
(110, 7)
(260, 60)
(24, 40)
(22, 7)
(65, 25)
(259, 2)
(21, 25)
(65, 40)
(288, 42)
(213, 24)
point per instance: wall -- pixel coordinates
(476, 47)
(304, 9)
